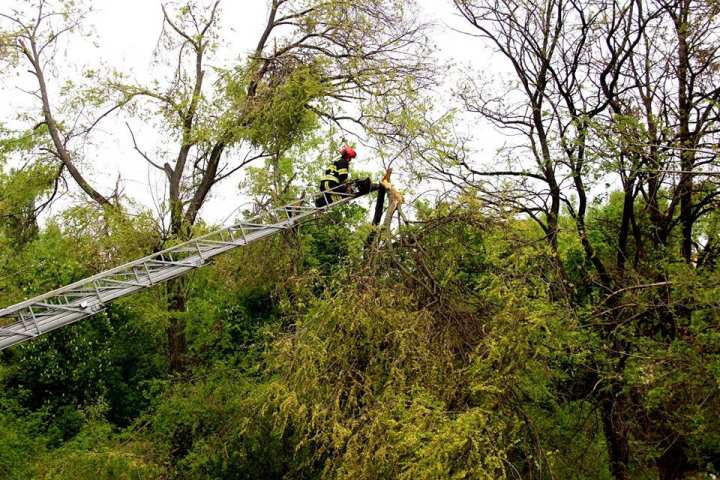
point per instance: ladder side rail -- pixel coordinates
(65, 317)
(94, 299)
(186, 247)
(128, 266)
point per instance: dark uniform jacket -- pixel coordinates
(335, 174)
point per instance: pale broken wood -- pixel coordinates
(397, 196)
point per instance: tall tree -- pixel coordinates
(616, 93)
(314, 61)
(34, 31)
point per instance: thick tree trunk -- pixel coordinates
(616, 437)
(177, 307)
(685, 186)
(686, 207)
(673, 463)
(177, 297)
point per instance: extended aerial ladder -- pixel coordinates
(64, 306)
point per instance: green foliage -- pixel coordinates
(464, 345)
(103, 465)
(208, 427)
(367, 382)
(86, 241)
(312, 358)
(23, 190)
(20, 440)
(334, 242)
(453, 354)
(94, 361)
(281, 114)
(93, 455)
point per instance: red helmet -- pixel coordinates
(348, 152)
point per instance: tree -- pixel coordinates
(607, 93)
(311, 59)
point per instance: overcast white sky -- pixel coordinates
(127, 32)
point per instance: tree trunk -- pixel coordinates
(616, 437)
(685, 105)
(379, 209)
(628, 206)
(673, 463)
(177, 307)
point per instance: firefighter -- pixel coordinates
(335, 177)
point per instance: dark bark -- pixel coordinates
(379, 209)
(684, 112)
(625, 222)
(177, 307)
(673, 462)
(181, 222)
(615, 436)
(379, 206)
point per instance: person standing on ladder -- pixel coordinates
(335, 177)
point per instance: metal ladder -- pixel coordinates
(87, 297)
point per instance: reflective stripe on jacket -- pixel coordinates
(337, 172)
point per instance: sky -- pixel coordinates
(126, 34)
